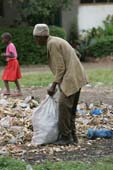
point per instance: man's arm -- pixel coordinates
(59, 66)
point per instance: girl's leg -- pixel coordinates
(18, 86)
(7, 87)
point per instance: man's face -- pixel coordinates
(41, 40)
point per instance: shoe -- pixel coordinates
(75, 139)
(64, 141)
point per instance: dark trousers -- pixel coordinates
(67, 115)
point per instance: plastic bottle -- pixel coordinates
(29, 167)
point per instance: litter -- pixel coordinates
(96, 111)
(6, 122)
(99, 133)
(16, 130)
(29, 167)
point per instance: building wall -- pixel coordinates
(93, 15)
(69, 15)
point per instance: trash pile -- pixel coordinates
(16, 129)
(15, 121)
(98, 116)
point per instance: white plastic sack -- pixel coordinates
(45, 122)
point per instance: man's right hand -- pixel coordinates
(51, 91)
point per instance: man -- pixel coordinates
(69, 75)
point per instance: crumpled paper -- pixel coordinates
(15, 120)
(16, 127)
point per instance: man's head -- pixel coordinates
(6, 37)
(41, 33)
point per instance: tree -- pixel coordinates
(33, 11)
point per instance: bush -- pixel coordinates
(98, 42)
(28, 52)
(103, 47)
(57, 31)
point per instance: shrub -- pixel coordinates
(98, 42)
(103, 47)
(28, 52)
(57, 31)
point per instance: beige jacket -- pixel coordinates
(65, 65)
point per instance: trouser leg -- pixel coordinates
(67, 114)
(64, 116)
(73, 124)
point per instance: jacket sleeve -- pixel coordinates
(57, 62)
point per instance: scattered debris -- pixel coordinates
(16, 129)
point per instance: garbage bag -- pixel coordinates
(99, 133)
(45, 122)
(96, 111)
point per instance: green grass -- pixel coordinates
(105, 76)
(37, 79)
(63, 166)
(33, 79)
(12, 164)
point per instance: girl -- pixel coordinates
(12, 71)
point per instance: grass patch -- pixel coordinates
(37, 79)
(43, 79)
(33, 79)
(63, 166)
(12, 164)
(105, 76)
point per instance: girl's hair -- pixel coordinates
(7, 35)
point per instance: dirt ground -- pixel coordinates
(88, 94)
(105, 63)
(88, 151)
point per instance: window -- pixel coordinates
(100, 1)
(95, 1)
(1, 8)
(86, 1)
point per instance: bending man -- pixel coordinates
(68, 74)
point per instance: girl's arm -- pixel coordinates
(10, 55)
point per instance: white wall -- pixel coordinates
(92, 15)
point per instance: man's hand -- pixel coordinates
(51, 91)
